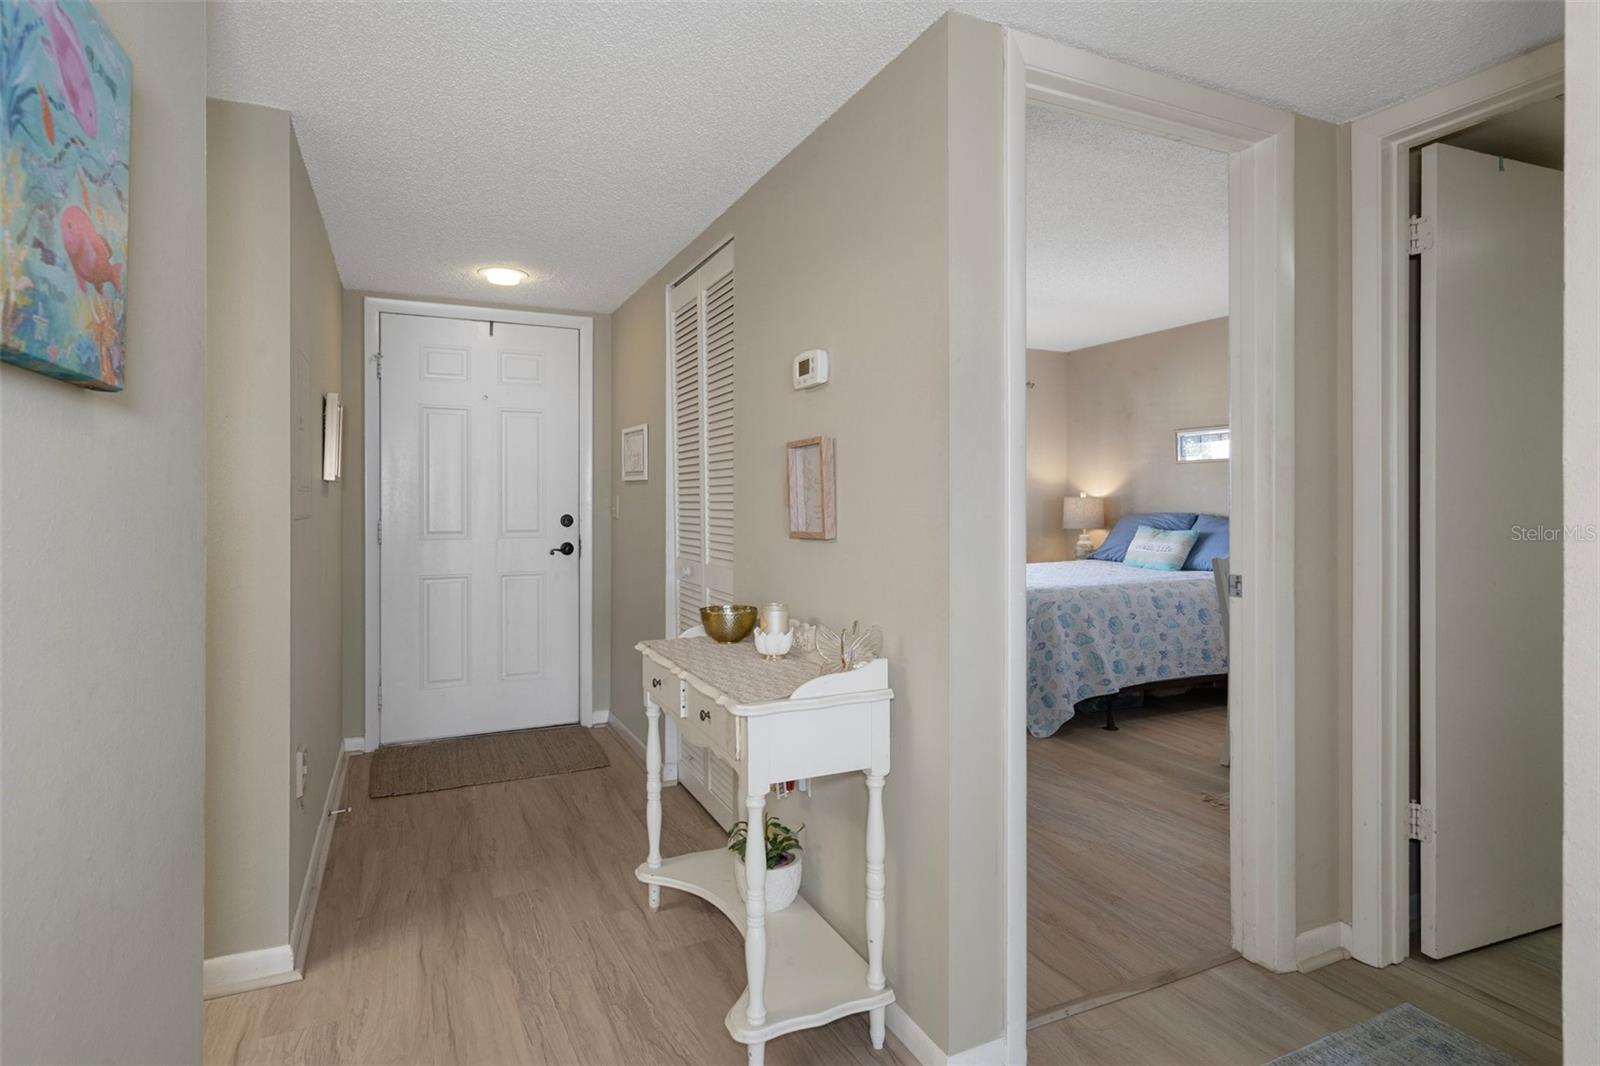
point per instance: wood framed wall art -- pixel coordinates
(809, 476)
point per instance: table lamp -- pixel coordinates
(1083, 513)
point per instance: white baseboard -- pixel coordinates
(305, 912)
(925, 1051)
(1316, 948)
(991, 1054)
(909, 1033)
(599, 717)
(227, 975)
(355, 744)
(634, 745)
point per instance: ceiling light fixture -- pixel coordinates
(503, 275)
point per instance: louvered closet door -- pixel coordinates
(702, 383)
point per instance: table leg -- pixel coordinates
(755, 1054)
(652, 791)
(875, 904)
(755, 911)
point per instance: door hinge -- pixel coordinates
(380, 531)
(1419, 235)
(1236, 586)
(380, 695)
(1419, 823)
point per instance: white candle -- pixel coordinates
(774, 618)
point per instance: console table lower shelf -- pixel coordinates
(813, 976)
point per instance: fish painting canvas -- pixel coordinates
(64, 197)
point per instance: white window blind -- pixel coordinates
(701, 496)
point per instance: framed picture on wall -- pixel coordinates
(810, 483)
(636, 453)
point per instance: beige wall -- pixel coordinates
(315, 717)
(1322, 858)
(854, 243)
(976, 559)
(1581, 501)
(354, 535)
(102, 570)
(273, 599)
(247, 526)
(1102, 420)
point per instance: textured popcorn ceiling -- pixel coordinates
(1127, 232)
(588, 142)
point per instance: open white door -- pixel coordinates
(1489, 493)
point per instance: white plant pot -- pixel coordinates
(783, 883)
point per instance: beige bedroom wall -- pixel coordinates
(353, 538)
(847, 244)
(315, 716)
(248, 582)
(1105, 418)
(102, 618)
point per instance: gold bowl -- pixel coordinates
(728, 622)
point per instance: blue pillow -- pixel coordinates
(1115, 547)
(1212, 544)
(1160, 549)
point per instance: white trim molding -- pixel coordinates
(1316, 948)
(1259, 142)
(1380, 609)
(926, 1051)
(355, 744)
(305, 910)
(373, 307)
(228, 975)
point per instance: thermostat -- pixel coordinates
(811, 369)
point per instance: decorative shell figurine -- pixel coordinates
(849, 648)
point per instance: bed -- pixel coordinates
(1097, 627)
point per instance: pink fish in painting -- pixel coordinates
(72, 64)
(90, 253)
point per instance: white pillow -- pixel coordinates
(1160, 549)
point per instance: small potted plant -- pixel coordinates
(783, 862)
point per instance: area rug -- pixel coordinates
(1403, 1036)
(406, 769)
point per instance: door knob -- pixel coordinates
(565, 549)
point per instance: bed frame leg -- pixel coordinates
(1111, 718)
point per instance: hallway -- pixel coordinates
(502, 924)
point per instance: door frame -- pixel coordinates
(372, 473)
(1259, 141)
(1380, 603)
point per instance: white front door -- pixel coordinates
(480, 615)
(1489, 570)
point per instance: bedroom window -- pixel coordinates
(1206, 445)
(700, 369)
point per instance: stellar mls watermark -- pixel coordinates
(1584, 534)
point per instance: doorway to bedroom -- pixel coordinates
(1128, 455)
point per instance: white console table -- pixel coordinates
(778, 721)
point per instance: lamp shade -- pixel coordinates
(1083, 512)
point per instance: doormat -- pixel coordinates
(460, 762)
(1403, 1036)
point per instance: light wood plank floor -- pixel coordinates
(502, 924)
(1507, 995)
(1127, 861)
